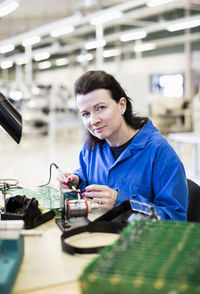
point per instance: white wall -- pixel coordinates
(133, 74)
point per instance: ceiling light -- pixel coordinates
(61, 61)
(16, 95)
(95, 44)
(184, 25)
(133, 36)
(7, 48)
(85, 57)
(111, 53)
(105, 17)
(153, 3)
(21, 60)
(144, 47)
(7, 7)
(44, 64)
(6, 64)
(30, 41)
(41, 56)
(62, 31)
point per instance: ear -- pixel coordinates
(122, 104)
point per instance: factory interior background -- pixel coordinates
(151, 47)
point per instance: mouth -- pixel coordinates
(98, 130)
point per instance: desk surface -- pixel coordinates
(45, 267)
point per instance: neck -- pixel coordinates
(122, 137)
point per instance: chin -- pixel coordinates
(100, 136)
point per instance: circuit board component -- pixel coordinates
(149, 257)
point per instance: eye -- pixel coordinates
(85, 114)
(101, 107)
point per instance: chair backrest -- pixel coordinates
(193, 212)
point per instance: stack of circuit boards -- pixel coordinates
(149, 257)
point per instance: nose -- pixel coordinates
(94, 119)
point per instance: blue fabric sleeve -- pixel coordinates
(81, 172)
(169, 187)
(163, 212)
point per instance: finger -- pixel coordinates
(94, 194)
(98, 200)
(98, 193)
(71, 180)
(96, 188)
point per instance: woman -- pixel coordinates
(125, 156)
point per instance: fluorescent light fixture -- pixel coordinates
(105, 17)
(44, 64)
(16, 95)
(62, 31)
(41, 56)
(7, 48)
(144, 47)
(6, 64)
(61, 61)
(21, 60)
(85, 57)
(133, 36)
(111, 53)
(95, 44)
(7, 7)
(30, 41)
(183, 25)
(153, 3)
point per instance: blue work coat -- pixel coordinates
(148, 170)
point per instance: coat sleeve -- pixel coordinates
(169, 184)
(81, 171)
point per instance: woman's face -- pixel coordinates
(101, 115)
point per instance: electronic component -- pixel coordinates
(22, 208)
(47, 196)
(149, 257)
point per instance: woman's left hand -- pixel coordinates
(103, 195)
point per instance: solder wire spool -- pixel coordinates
(76, 208)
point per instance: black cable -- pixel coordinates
(5, 185)
(50, 168)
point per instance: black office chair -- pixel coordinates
(193, 212)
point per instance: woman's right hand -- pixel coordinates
(73, 179)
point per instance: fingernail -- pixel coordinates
(65, 183)
(69, 179)
(83, 195)
(84, 189)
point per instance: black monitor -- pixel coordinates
(10, 119)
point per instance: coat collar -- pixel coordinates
(141, 138)
(138, 142)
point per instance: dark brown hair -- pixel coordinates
(93, 80)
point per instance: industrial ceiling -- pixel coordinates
(123, 26)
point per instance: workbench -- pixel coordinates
(45, 267)
(191, 138)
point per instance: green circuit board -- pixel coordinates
(47, 196)
(150, 257)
